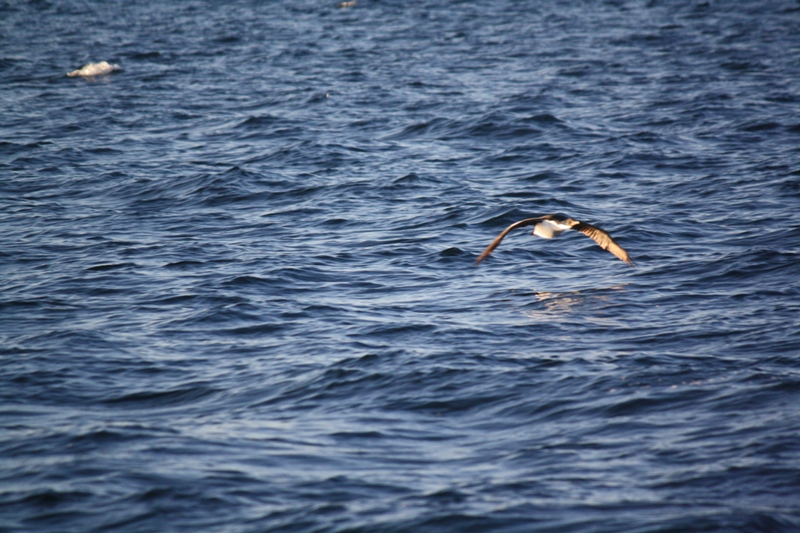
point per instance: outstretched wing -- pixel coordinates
(604, 240)
(495, 243)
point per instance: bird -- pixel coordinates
(551, 226)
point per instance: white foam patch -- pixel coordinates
(94, 69)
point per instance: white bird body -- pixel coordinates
(549, 229)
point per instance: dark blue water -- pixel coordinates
(237, 289)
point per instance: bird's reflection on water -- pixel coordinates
(591, 306)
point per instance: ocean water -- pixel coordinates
(237, 280)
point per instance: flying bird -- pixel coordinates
(551, 226)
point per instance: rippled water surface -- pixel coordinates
(237, 289)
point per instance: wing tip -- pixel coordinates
(481, 257)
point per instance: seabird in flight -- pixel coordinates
(551, 226)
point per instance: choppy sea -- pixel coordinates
(237, 280)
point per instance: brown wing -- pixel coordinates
(495, 243)
(604, 240)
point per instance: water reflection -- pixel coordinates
(593, 306)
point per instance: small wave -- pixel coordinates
(94, 69)
(164, 398)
